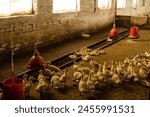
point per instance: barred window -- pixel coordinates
(143, 3)
(60, 6)
(121, 3)
(104, 4)
(15, 7)
(134, 3)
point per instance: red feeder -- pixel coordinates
(13, 89)
(134, 33)
(36, 62)
(113, 32)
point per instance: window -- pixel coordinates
(143, 3)
(60, 6)
(134, 3)
(121, 3)
(104, 4)
(14, 7)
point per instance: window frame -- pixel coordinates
(19, 12)
(77, 8)
(134, 3)
(143, 3)
(122, 5)
(108, 6)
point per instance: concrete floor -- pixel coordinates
(117, 52)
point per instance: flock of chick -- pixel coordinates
(113, 73)
(89, 78)
(47, 77)
(86, 53)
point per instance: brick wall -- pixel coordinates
(45, 27)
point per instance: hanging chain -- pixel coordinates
(12, 51)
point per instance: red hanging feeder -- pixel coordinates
(134, 33)
(113, 32)
(134, 29)
(36, 62)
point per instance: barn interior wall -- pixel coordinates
(138, 11)
(44, 26)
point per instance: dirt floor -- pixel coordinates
(117, 52)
